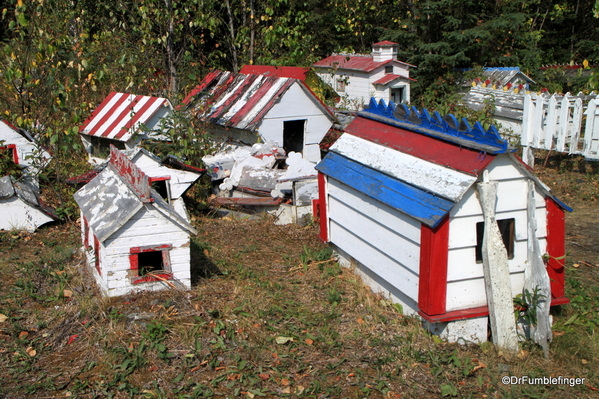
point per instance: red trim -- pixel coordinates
(275, 98)
(120, 118)
(253, 100)
(556, 247)
(207, 81)
(107, 116)
(85, 233)
(15, 154)
(163, 178)
(473, 312)
(97, 254)
(234, 97)
(322, 207)
(134, 263)
(424, 147)
(432, 284)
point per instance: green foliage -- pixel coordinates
(525, 306)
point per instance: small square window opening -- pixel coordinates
(341, 85)
(389, 69)
(150, 264)
(507, 230)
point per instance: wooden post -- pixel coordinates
(536, 280)
(496, 272)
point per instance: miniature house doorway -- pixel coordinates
(293, 135)
(397, 95)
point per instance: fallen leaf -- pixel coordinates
(23, 334)
(250, 395)
(309, 341)
(153, 368)
(59, 272)
(72, 339)
(206, 252)
(576, 265)
(3, 318)
(283, 340)
(351, 375)
(558, 333)
(264, 376)
(275, 355)
(31, 352)
(522, 354)
(285, 382)
(360, 320)
(584, 361)
(67, 293)
(592, 388)
(286, 390)
(299, 389)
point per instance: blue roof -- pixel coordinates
(425, 207)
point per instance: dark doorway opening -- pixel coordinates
(293, 135)
(150, 262)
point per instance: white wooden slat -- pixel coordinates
(550, 124)
(462, 230)
(576, 127)
(471, 293)
(381, 213)
(432, 177)
(377, 262)
(462, 263)
(591, 132)
(392, 244)
(527, 120)
(261, 103)
(538, 122)
(108, 108)
(564, 123)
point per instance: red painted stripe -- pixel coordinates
(556, 247)
(219, 90)
(432, 283)
(141, 114)
(265, 85)
(419, 145)
(121, 120)
(247, 81)
(97, 111)
(322, 208)
(97, 254)
(258, 118)
(208, 79)
(99, 129)
(473, 312)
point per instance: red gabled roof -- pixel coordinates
(362, 63)
(119, 116)
(390, 78)
(385, 43)
(298, 73)
(425, 147)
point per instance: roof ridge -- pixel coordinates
(447, 127)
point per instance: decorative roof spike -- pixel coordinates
(446, 127)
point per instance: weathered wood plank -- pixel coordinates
(393, 245)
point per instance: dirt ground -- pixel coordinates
(271, 315)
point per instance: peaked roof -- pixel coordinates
(390, 78)
(355, 62)
(9, 188)
(418, 164)
(120, 115)
(240, 100)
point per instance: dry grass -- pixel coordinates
(269, 315)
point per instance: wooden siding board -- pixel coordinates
(425, 207)
(405, 253)
(385, 215)
(467, 294)
(375, 261)
(429, 176)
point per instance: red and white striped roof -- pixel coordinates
(240, 100)
(120, 115)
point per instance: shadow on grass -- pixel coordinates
(201, 265)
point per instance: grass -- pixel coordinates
(270, 314)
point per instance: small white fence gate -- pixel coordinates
(556, 123)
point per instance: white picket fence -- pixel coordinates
(567, 123)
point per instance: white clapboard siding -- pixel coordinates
(406, 253)
(377, 261)
(429, 176)
(392, 219)
(467, 294)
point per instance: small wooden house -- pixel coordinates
(21, 147)
(133, 238)
(358, 77)
(20, 206)
(397, 199)
(122, 120)
(259, 108)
